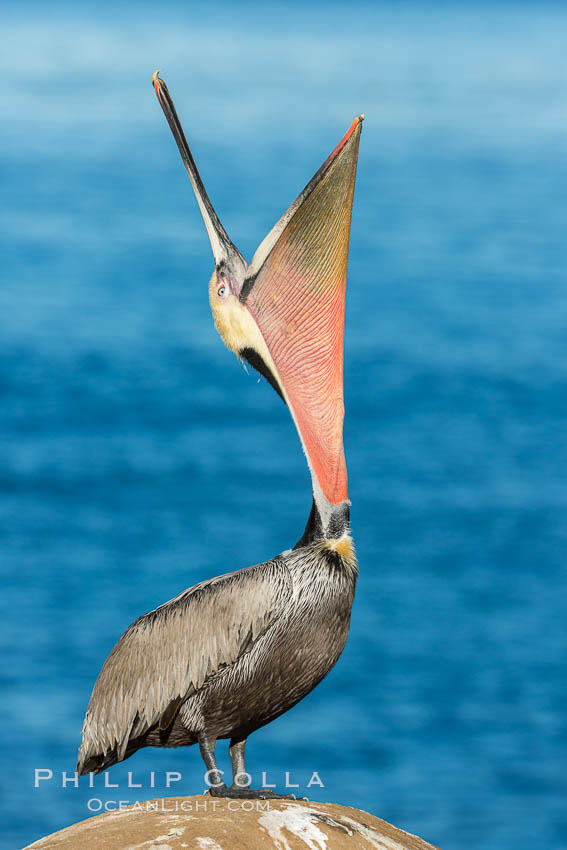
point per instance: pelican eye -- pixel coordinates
(221, 290)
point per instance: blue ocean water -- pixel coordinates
(137, 457)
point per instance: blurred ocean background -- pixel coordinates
(137, 457)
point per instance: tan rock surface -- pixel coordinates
(203, 823)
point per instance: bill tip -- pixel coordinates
(155, 76)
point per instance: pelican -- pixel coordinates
(232, 653)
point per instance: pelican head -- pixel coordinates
(284, 312)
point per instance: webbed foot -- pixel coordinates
(238, 792)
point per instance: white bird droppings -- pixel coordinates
(381, 842)
(207, 843)
(295, 819)
(303, 822)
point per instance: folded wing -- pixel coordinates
(167, 655)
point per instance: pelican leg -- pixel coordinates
(239, 788)
(207, 749)
(236, 753)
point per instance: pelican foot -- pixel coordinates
(237, 792)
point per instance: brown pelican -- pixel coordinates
(232, 653)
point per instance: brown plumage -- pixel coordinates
(226, 656)
(234, 652)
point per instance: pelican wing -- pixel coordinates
(169, 654)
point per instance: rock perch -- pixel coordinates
(205, 823)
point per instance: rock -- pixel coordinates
(204, 823)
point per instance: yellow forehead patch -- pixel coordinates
(236, 326)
